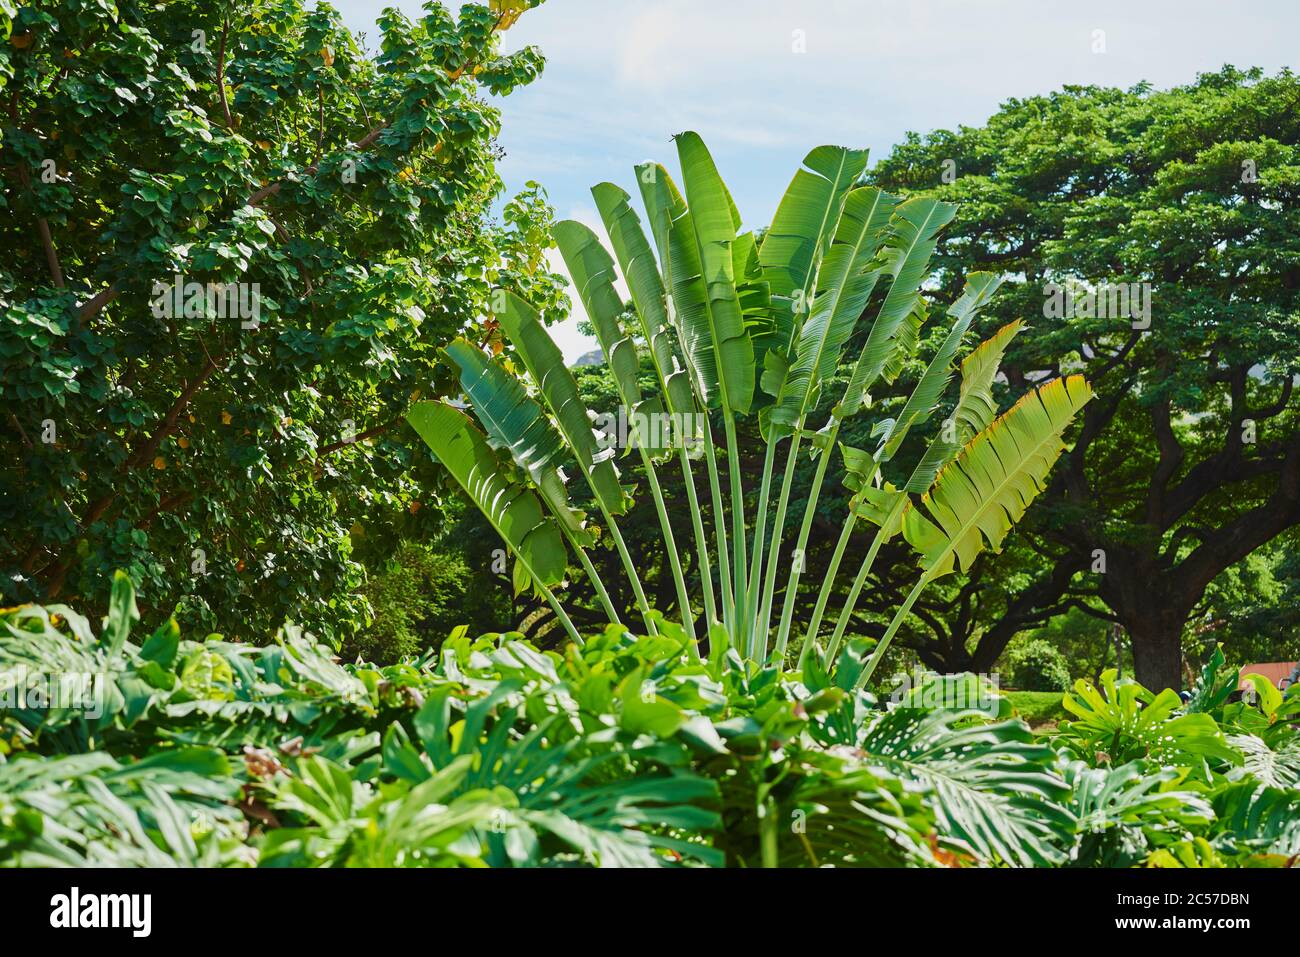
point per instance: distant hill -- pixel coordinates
(593, 358)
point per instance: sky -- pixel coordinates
(764, 81)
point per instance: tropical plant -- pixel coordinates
(1121, 721)
(624, 751)
(741, 325)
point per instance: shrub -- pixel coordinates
(623, 751)
(1037, 665)
(418, 598)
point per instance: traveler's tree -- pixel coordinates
(737, 328)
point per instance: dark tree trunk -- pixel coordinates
(945, 659)
(1157, 649)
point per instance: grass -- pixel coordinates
(1038, 708)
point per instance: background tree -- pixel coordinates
(224, 460)
(1189, 459)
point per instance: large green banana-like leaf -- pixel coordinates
(980, 287)
(986, 489)
(513, 510)
(844, 286)
(592, 271)
(709, 312)
(545, 363)
(912, 238)
(990, 786)
(801, 233)
(753, 290)
(636, 260)
(975, 407)
(515, 421)
(664, 205)
(674, 235)
(883, 505)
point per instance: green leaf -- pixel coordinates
(987, 488)
(992, 788)
(122, 611)
(592, 271)
(975, 407)
(845, 284)
(636, 260)
(516, 422)
(513, 510)
(545, 364)
(806, 221)
(710, 320)
(913, 235)
(162, 645)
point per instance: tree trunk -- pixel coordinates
(1157, 650)
(945, 659)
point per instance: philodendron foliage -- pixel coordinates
(737, 323)
(126, 746)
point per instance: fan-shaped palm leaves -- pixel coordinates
(736, 325)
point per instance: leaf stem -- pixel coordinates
(674, 560)
(774, 551)
(719, 522)
(879, 650)
(756, 560)
(737, 523)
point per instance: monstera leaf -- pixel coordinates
(991, 787)
(1121, 813)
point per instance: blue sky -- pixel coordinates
(622, 76)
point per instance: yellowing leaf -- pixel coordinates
(508, 12)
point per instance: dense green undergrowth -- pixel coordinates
(624, 752)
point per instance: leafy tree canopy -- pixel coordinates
(1190, 459)
(221, 442)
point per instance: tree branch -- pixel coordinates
(221, 75)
